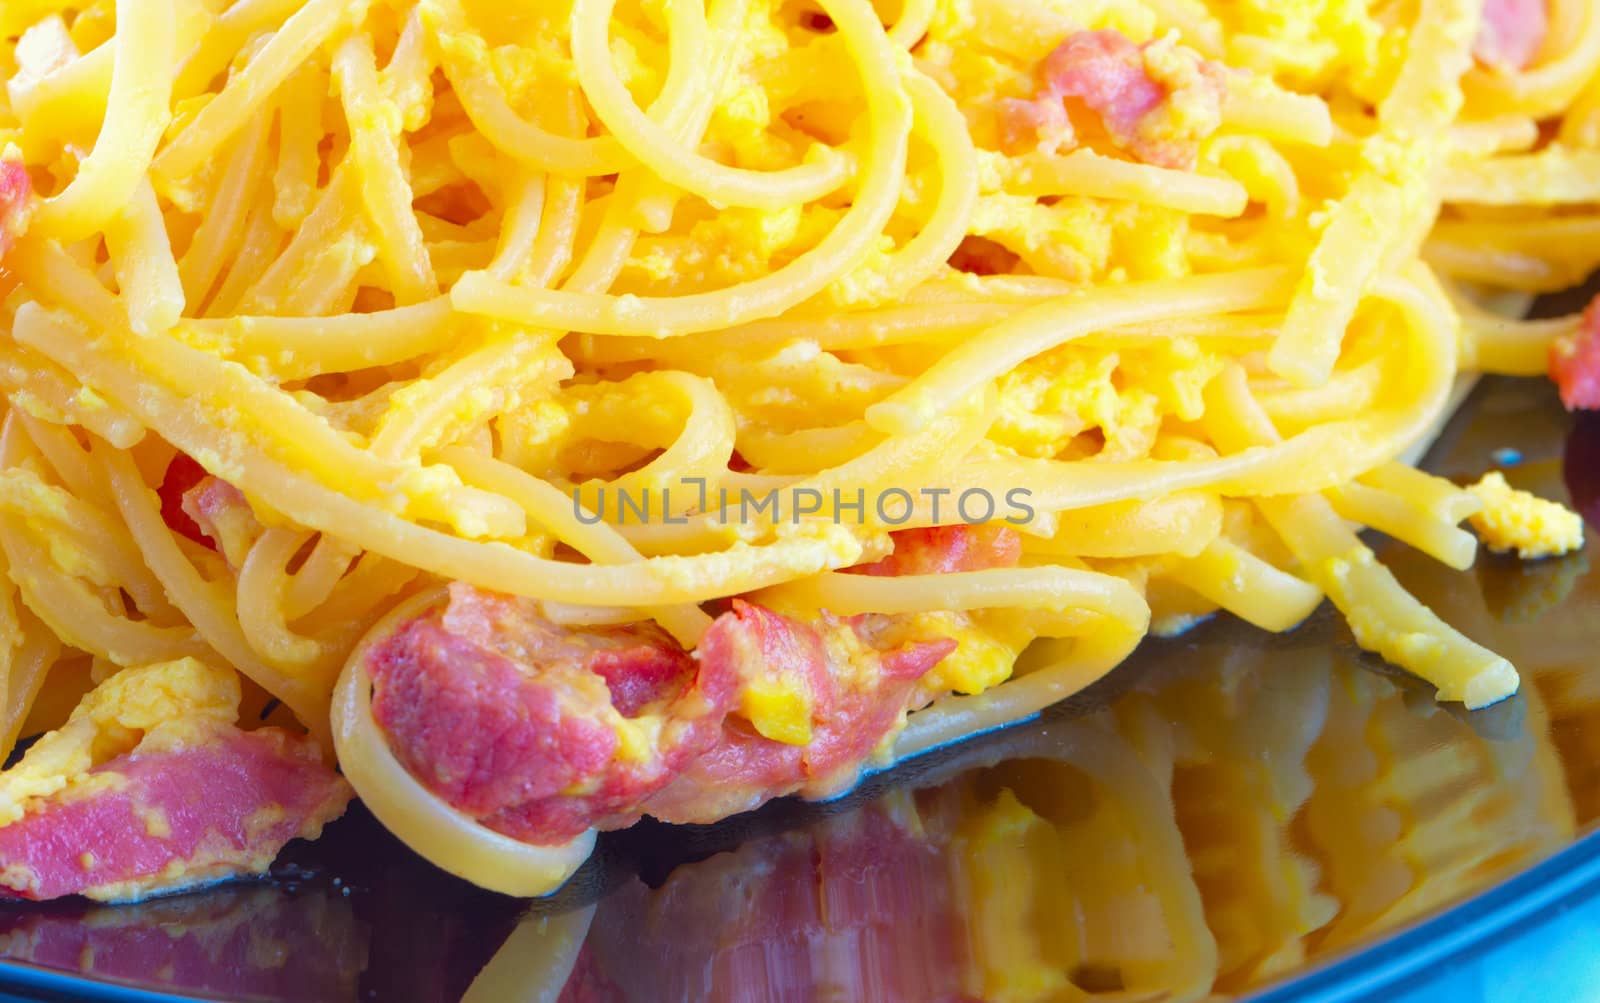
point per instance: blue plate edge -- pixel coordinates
(1423, 948)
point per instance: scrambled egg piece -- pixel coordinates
(1303, 43)
(1072, 239)
(986, 651)
(1176, 371)
(533, 436)
(112, 719)
(60, 520)
(1193, 110)
(779, 708)
(1085, 239)
(1047, 402)
(1521, 521)
(1150, 242)
(987, 645)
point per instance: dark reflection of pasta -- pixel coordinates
(236, 943)
(1229, 818)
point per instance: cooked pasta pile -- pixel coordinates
(315, 306)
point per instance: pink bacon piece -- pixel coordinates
(1106, 74)
(16, 191)
(183, 474)
(509, 718)
(221, 515)
(1511, 33)
(1575, 362)
(743, 769)
(173, 815)
(498, 711)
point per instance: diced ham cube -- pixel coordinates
(211, 804)
(1511, 33)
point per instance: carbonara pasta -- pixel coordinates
(568, 411)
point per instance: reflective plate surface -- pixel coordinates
(1231, 815)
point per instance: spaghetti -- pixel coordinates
(585, 409)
